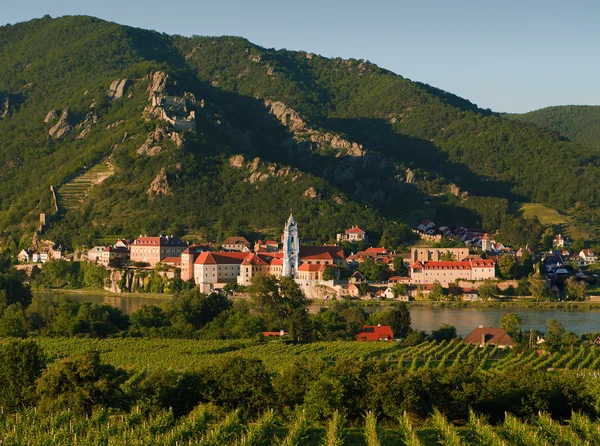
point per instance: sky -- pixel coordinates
(509, 56)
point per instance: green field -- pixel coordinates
(568, 225)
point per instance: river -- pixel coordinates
(426, 318)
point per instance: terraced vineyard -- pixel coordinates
(208, 425)
(70, 195)
(184, 355)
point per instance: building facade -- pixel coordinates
(152, 249)
(446, 273)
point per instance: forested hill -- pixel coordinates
(341, 142)
(579, 123)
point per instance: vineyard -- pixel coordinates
(210, 426)
(188, 355)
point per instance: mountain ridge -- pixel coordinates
(379, 143)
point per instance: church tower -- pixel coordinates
(291, 248)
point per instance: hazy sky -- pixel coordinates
(509, 55)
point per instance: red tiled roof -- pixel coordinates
(271, 242)
(252, 259)
(171, 260)
(354, 230)
(334, 251)
(375, 333)
(277, 262)
(492, 336)
(311, 268)
(225, 258)
(376, 250)
(273, 333)
(322, 256)
(417, 264)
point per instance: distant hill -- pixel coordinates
(340, 142)
(579, 123)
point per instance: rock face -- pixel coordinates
(117, 88)
(4, 107)
(158, 83)
(51, 116)
(287, 116)
(62, 127)
(86, 125)
(160, 185)
(150, 146)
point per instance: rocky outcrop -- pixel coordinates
(286, 115)
(86, 125)
(114, 124)
(51, 116)
(151, 146)
(160, 185)
(260, 171)
(312, 194)
(117, 89)
(158, 83)
(236, 161)
(62, 127)
(4, 107)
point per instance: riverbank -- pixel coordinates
(100, 292)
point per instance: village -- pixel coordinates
(350, 268)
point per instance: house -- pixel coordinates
(122, 244)
(353, 290)
(447, 273)
(588, 256)
(152, 250)
(469, 294)
(376, 333)
(239, 244)
(597, 341)
(56, 252)
(274, 334)
(267, 246)
(327, 255)
(426, 226)
(559, 242)
(41, 256)
(110, 253)
(483, 336)
(94, 255)
(307, 271)
(352, 235)
(376, 252)
(188, 257)
(357, 277)
(24, 256)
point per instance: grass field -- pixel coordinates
(567, 224)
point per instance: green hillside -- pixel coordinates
(341, 142)
(579, 123)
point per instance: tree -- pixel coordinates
(400, 267)
(21, 364)
(547, 238)
(399, 289)
(538, 289)
(80, 385)
(554, 333)
(511, 323)
(437, 292)
(448, 257)
(577, 246)
(575, 289)
(400, 321)
(507, 266)
(330, 273)
(487, 290)
(444, 333)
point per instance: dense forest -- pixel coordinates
(579, 123)
(341, 142)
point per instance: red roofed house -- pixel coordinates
(352, 235)
(489, 336)
(310, 272)
(188, 257)
(447, 273)
(323, 255)
(376, 333)
(152, 249)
